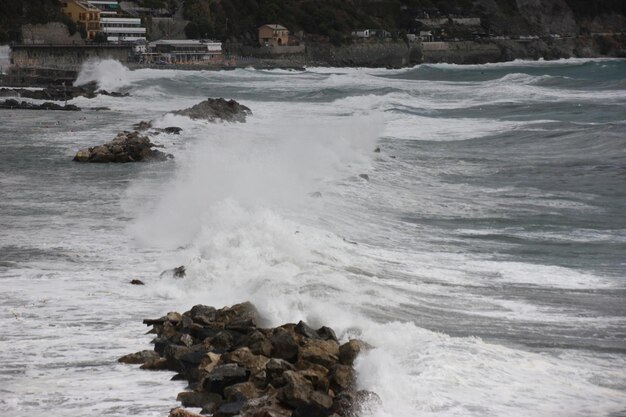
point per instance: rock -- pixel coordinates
(258, 344)
(364, 176)
(229, 409)
(217, 109)
(377, 150)
(178, 272)
(284, 345)
(322, 352)
(159, 364)
(316, 374)
(181, 412)
(174, 317)
(235, 368)
(240, 392)
(303, 329)
(327, 333)
(137, 282)
(202, 314)
(143, 125)
(341, 377)
(244, 357)
(58, 93)
(297, 391)
(210, 408)
(274, 370)
(12, 104)
(349, 351)
(310, 411)
(243, 312)
(197, 399)
(173, 130)
(352, 404)
(139, 357)
(125, 147)
(224, 375)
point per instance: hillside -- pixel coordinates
(333, 20)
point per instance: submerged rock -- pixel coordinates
(126, 147)
(214, 109)
(235, 368)
(142, 125)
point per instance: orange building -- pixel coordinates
(84, 14)
(272, 35)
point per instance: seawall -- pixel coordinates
(54, 64)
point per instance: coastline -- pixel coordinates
(58, 66)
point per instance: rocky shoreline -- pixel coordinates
(234, 367)
(133, 147)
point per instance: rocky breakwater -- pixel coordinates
(125, 147)
(235, 368)
(214, 109)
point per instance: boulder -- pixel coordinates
(197, 399)
(139, 357)
(224, 375)
(297, 391)
(322, 352)
(181, 412)
(349, 351)
(125, 147)
(214, 109)
(172, 130)
(137, 282)
(142, 125)
(244, 357)
(284, 345)
(159, 364)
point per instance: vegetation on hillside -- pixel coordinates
(332, 20)
(335, 19)
(14, 14)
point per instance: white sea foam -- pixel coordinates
(109, 74)
(237, 212)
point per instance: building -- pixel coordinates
(84, 14)
(107, 8)
(361, 33)
(426, 36)
(273, 35)
(183, 51)
(123, 29)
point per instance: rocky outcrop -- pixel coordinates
(214, 109)
(236, 368)
(126, 147)
(58, 93)
(23, 105)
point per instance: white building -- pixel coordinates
(123, 29)
(183, 51)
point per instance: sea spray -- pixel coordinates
(109, 74)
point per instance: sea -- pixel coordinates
(467, 222)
